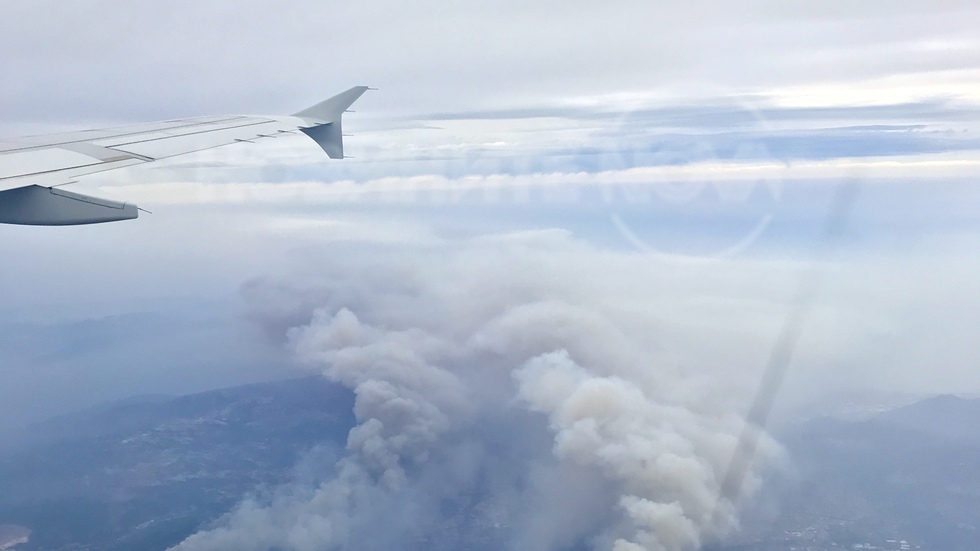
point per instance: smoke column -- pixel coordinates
(511, 392)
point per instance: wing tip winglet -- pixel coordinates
(331, 109)
(326, 119)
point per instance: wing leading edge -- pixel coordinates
(34, 169)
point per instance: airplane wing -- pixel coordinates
(35, 170)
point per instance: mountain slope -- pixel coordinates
(142, 474)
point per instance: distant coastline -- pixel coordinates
(11, 536)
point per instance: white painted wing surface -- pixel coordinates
(34, 170)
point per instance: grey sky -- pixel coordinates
(73, 62)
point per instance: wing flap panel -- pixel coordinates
(42, 160)
(169, 146)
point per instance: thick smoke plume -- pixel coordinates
(515, 392)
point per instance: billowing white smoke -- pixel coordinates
(402, 401)
(664, 458)
(512, 393)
